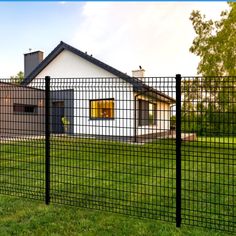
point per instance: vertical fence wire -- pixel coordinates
(114, 151)
(156, 147)
(22, 140)
(208, 157)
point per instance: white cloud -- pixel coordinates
(154, 35)
(62, 3)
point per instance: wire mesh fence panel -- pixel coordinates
(160, 148)
(22, 140)
(208, 157)
(111, 145)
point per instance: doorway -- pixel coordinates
(58, 110)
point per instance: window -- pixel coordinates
(24, 108)
(102, 109)
(147, 113)
(152, 114)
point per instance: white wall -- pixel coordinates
(68, 64)
(69, 71)
(123, 123)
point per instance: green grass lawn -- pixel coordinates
(131, 179)
(23, 217)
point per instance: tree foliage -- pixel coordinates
(209, 110)
(210, 101)
(215, 43)
(18, 78)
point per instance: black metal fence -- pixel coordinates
(160, 148)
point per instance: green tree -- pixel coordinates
(18, 78)
(215, 43)
(210, 102)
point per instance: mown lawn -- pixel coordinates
(22, 217)
(130, 179)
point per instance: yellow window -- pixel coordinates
(102, 109)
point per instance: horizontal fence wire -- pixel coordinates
(22, 141)
(113, 146)
(109, 154)
(208, 162)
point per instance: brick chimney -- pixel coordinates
(138, 73)
(31, 61)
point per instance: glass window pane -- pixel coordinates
(24, 108)
(147, 113)
(94, 109)
(102, 109)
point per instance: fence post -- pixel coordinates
(178, 150)
(47, 140)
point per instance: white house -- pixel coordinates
(96, 98)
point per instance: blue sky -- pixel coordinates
(36, 25)
(124, 35)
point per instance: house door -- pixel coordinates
(57, 114)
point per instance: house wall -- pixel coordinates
(19, 124)
(69, 65)
(69, 71)
(88, 81)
